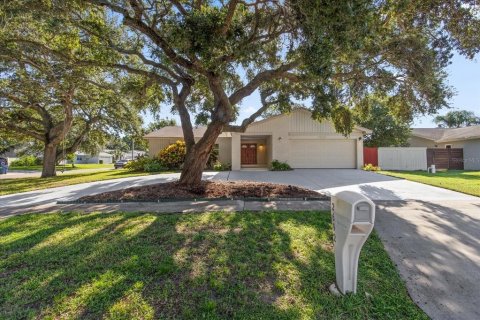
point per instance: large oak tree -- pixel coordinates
(208, 56)
(46, 99)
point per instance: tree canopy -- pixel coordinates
(457, 119)
(387, 130)
(206, 57)
(47, 99)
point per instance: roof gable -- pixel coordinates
(299, 120)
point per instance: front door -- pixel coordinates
(249, 153)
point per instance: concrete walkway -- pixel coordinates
(432, 234)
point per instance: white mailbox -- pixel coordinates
(353, 216)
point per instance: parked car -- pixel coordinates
(121, 163)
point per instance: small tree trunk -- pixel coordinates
(49, 161)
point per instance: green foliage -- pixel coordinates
(159, 124)
(387, 129)
(457, 119)
(173, 156)
(26, 161)
(371, 167)
(145, 163)
(280, 166)
(218, 166)
(153, 166)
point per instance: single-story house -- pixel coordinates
(294, 138)
(101, 157)
(467, 138)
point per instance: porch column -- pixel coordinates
(359, 152)
(236, 165)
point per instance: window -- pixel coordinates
(448, 146)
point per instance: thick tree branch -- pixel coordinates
(259, 79)
(247, 121)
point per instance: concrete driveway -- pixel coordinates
(432, 234)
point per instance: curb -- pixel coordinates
(163, 200)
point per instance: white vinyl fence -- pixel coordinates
(402, 158)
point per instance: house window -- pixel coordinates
(448, 146)
(79, 158)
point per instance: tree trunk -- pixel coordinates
(49, 161)
(197, 157)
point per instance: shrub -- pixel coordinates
(173, 156)
(212, 159)
(153, 166)
(26, 161)
(218, 166)
(100, 161)
(138, 164)
(371, 167)
(280, 166)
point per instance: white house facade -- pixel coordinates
(294, 138)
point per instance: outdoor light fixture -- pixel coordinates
(359, 138)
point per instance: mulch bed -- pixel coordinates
(208, 189)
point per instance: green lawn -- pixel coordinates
(462, 181)
(8, 186)
(68, 167)
(275, 265)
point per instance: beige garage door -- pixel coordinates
(323, 154)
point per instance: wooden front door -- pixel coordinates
(249, 153)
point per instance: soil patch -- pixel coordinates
(208, 189)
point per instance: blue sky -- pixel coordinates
(464, 76)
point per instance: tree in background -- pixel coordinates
(457, 119)
(208, 56)
(387, 130)
(46, 99)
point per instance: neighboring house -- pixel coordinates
(9, 155)
(103, 157)
(294, 138)
(467, 138)
(136, 153)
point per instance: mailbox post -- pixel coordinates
(353, 216)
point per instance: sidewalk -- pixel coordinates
(180, 206)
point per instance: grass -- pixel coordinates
(273, 265)
(9, 186)
(463, 181)
(68, 167)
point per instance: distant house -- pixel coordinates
(136, 153)
(467, 138)
(101, 157)
(10, 155)
(294, 138)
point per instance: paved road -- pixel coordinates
(432, 234)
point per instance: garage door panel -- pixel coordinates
(323, 153)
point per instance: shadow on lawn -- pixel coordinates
(243, 265)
